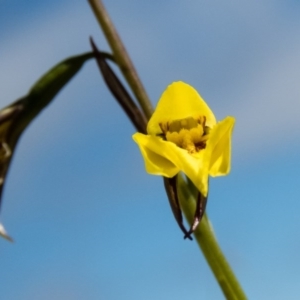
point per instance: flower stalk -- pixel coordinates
(208, 243)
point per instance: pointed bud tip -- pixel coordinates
(94, 47)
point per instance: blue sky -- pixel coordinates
(88, 222)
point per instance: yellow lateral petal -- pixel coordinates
(155, 163)
(219, 147)
(179, 101)
(166, 159)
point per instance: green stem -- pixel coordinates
(121, 56)
(208, 243)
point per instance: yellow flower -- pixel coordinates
(183, 135)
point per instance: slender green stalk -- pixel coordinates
(121, 56)
(208, 243)
(204, 234)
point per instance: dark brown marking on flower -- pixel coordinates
(189, 133)
(200, 146)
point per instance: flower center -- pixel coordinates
(190, 134)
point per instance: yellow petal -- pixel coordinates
(155, 163)
(166, 159)
(218, 147)
(179, 101)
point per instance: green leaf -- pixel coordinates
(16, 117)
(44, 90)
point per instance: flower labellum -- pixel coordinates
(183, 135)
